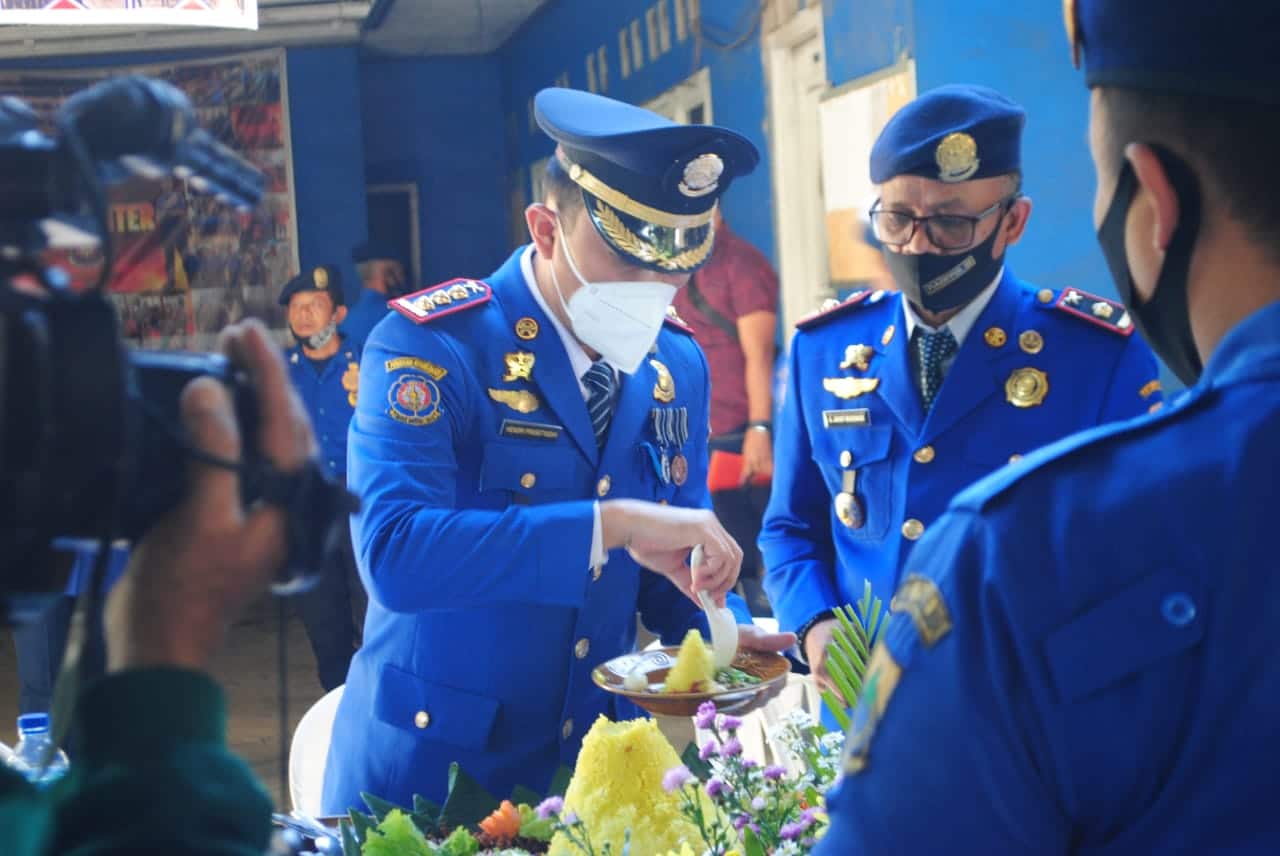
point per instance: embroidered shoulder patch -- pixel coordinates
(673, 319)
(443, 299)
(1099, 311)
(836, 308)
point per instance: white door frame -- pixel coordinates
(803, 278)
(678, 101)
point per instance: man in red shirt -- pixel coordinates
(732, 305)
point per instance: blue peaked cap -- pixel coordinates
(952, 133)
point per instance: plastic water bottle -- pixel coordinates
(33, 744)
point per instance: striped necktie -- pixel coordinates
(599, 381)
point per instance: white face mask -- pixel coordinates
(618, 320)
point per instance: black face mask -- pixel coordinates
(938, 282)
(1164, 320)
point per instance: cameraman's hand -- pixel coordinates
(661, 538)
(209, 558)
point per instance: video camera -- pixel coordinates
(91, 444)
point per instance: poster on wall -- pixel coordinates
(852, 118)
(236, 14)
(185, 264)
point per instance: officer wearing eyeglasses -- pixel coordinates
(896, 401)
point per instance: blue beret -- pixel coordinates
(375, 249)
(325, 278)
(650, 184)
(952, 133)
(1179, 46)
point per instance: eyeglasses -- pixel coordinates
(944, 231)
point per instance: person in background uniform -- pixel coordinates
(531, 455)
(732, 305)
(325, 370)
(897, 401)
(382, 279)
(1084, 658)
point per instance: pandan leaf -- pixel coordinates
(850, 633)
(378, 806)
(560, 782)
(837, 708)
(426, 816)
(845, 679)
(468, 802)
(350, 843)
(696, 765)
(361, 824)
(850, 650)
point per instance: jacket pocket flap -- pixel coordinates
(1156, 617)
(433, 711)
(864, 445)
(508, 466)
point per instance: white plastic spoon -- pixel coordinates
(723, 623)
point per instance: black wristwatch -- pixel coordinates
(760, 425)
(806, 627)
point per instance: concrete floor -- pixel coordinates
(247, 670)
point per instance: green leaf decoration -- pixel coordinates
(380, 807)
(697, 766)
(528, 796)
(560, 782)
(850, 650)
(361, 824)
(751, 843)
(468, 802)
(350, 843)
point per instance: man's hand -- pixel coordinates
(757, 455)
(661, 538)
(755, 638)
(815, 653)
(209, 557)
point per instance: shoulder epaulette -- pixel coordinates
(673, 319)
(1099, 311)
(833, 308)
(444, 299)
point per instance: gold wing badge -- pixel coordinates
(519, 400)
(849, 387)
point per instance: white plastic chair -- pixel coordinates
(308, 752)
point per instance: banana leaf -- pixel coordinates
(468, 802)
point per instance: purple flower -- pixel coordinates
(731, 747)
(774, 772)
(750, 763)
(791, 831)
(676, 778)
(807, 817)
(706, 715)
(730, 723)
(570, 817)
(716, 788)
(809, 842)
(549, 807)
(758, 804)
(741, 820)
(707, 750)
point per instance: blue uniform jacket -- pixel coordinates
(370, 308)
(1086, 661)
(474, 539)
(329, 396)
(1067, 357)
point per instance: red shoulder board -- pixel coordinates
(835, 308)
(673, 318)
(1104, 313)
(441, 300)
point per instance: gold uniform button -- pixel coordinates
(912, 529)
(566, 731)
(924, 455)
(422, 719)
(602, 486)
(1045, 295)
(528, 480)
(995, 337)
(1031, 342)
(582, 649)
(1014, 458)
(846, 458)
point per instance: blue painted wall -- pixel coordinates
(439, 123)
(556, 41)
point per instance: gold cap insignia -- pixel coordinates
(1026, 387)
(527, 328)
(519, 400)
(858, 357)
(957, 157)
(702, 175)
(849, 387)
(320, 277)
(665, 389)
(519, 366)
(1071, 17)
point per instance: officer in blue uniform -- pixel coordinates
(382, 279)
(325, 369)
(897, 401)
(1083, 656)
(512, 437)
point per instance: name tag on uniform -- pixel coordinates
(859, 417)
(530, 430)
